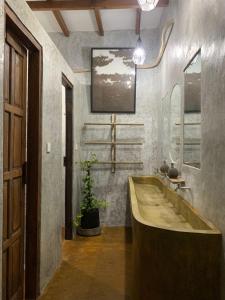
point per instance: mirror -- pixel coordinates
(175, 124)
(192, 112)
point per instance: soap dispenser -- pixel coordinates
(173, 172)
(164, 168)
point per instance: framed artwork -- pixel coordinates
(113, 80)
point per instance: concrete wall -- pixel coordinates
(52, 194)
(113, 187)
(200, 23)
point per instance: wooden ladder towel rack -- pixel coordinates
(114, 142)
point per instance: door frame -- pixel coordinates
(68, 162)
(34, 150)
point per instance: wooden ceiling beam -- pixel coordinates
(61, 22)
(138, 21)
(87, 4)
(99, 21)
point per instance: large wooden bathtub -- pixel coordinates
(176, 252)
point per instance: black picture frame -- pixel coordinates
(99, 105)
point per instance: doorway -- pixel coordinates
(67, 91)
(22, 162)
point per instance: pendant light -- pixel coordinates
(139, 54)
(147, 5)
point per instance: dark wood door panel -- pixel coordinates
(17, 205)
(5, 275)
(5, 209)
(7, 73)
(17, 67)
(18, 151)
(12, 269)
(12, 74)
(6, 141)
(16, 266)
(18, 84)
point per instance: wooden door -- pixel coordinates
(14, 160)
(68, 162)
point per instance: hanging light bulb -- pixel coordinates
(139, 54)
(147, 5)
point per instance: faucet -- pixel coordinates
(181, 187)
(185, 188)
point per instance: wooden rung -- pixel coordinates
(190, 144)
(86, 124)
(178, 124)
(128, 143)
(112, 143)
(129, 124)
(120, 162)
(116, 124)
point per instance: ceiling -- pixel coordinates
(113, 19)
(87, 15)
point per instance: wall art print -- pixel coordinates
(113, 80)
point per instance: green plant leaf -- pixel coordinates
(89, 200)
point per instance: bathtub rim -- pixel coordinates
(136, 214)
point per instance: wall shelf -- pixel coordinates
(114, 142)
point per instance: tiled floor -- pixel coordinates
(94, 268)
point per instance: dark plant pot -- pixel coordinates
(90, 219)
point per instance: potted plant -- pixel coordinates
(88, 222)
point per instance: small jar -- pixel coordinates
(173, 172)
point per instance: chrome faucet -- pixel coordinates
(185, 188)
(182, 187)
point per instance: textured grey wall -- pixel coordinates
(113, 187)
(76, 48)
(198, 24)
(52, 197)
